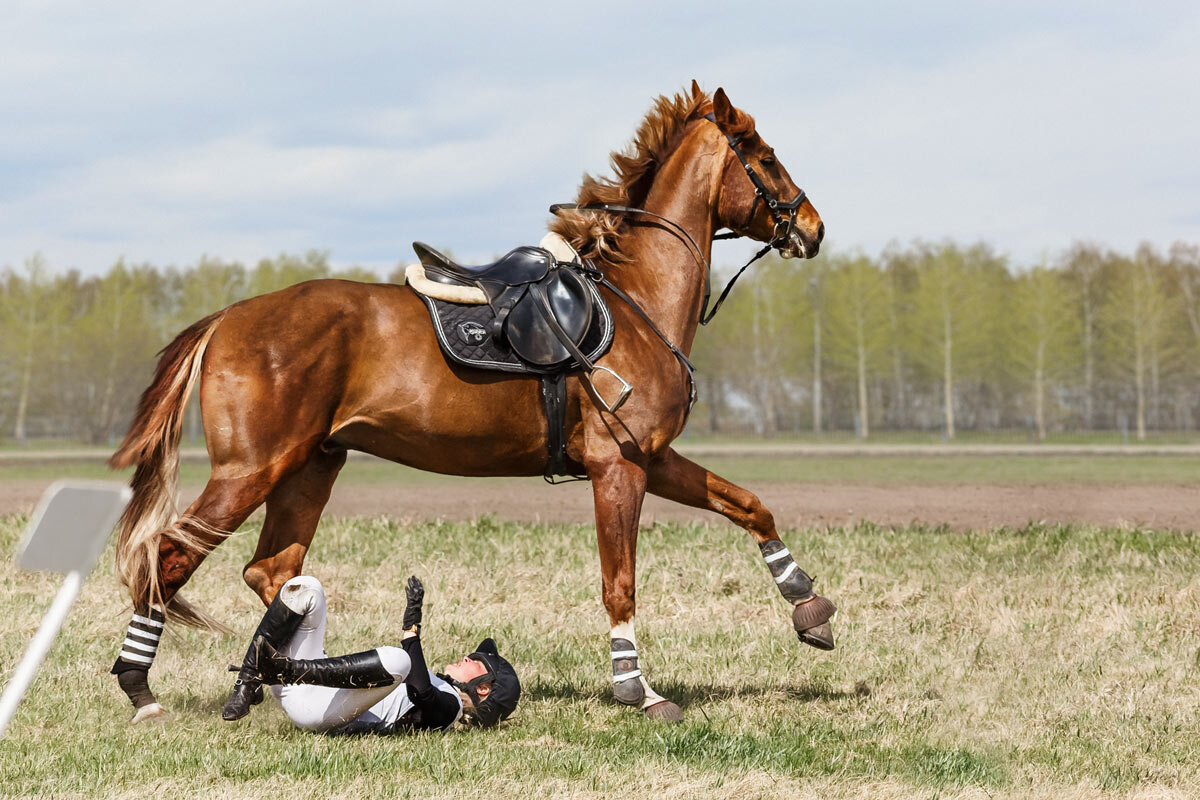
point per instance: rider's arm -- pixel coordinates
(438, 709)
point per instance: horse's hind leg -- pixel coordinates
(675, 478)
(218, 511)
(293, 510)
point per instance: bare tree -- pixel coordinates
(1043, 333)
(858, 317)
(1084, 263)
(24, 305)
(814, 286)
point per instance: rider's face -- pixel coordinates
(466, 670)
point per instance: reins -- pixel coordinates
(705, 315)
(761, 194)
(782, 232)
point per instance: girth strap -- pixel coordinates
(554, 400)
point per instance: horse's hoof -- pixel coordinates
(152, 712)
(811, 619)
(813, 612)
(665, 711)
(820, 637)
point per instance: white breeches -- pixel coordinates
(323, 708)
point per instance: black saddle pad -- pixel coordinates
(465, 335)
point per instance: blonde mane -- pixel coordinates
(597, 235)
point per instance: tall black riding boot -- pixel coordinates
(277, 626)
(355, 671)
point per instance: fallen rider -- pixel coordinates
(385, 690)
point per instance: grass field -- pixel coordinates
(1045, 662)
(863, 470)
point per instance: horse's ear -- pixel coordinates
(696, 89)
(722, 109)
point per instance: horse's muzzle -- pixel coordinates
(796, 247)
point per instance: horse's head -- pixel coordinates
(758, 198)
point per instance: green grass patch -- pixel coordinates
(1049, 661)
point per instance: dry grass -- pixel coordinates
(1047, 662)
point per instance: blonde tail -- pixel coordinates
(152, 444)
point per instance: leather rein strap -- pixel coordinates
(782, 233)
(761, 194)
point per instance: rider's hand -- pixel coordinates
(415, 593)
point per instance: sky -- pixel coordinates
(162, 132)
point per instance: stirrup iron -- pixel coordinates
(626, 389)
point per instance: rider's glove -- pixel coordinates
(415, 593)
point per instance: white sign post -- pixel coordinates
(66, 534)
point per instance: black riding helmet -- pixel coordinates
(506, 689)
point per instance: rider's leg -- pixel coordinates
(318, 707)
(322, 708)
(278, 625)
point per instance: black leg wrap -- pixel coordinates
(794, 583)
(627, 684)
(121, 665)
(137, 654)
(134, 682)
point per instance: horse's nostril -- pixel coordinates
(820, 232)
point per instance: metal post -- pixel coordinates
(38, 648)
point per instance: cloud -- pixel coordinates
(240, 130)
(1030, 143)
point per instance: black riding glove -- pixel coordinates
(415, 593)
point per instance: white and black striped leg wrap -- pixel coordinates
(793, 582)
(137, 654)
(627, 684)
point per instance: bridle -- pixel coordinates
(782, 233)
(762, 194)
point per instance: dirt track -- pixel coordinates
(794, 504)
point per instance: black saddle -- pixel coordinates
(539, 308)
(520, 266)
(543, 317)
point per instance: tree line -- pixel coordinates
(945, 337)
(925, 336)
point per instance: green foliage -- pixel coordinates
(76, 353)
(943, 337)
(939, 338)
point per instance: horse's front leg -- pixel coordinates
(618, 488)
(674, 477)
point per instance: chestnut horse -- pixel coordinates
(292, 380)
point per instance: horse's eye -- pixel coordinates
(768, 161)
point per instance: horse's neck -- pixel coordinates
(665, 275)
